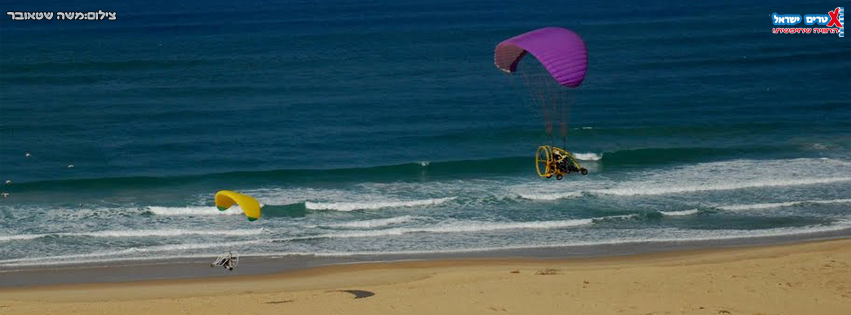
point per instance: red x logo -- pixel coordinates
(834, 18)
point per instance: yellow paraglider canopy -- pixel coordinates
(250, 206)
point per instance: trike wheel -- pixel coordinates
(543, 161)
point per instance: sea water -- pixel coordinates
(383, 127)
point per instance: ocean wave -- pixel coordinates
(193, 211)
(645, 191)
(6, 238)
(97, 260)
(667, 235)
(372, 205)
(550, 196)
(374, 223)
(760, 206)
(455, 227)
(587, 156)
(167, 232)
(748, 174)
(133, 250)
(616, 217)
(136, 233)
(679, 213)
(697, 236)
(458, 168)
(467, 226)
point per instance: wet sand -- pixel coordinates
(804, 278)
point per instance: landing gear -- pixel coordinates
(544, 161)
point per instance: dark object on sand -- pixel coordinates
(359, 294)
(546, 272)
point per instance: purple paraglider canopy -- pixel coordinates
(561, 51)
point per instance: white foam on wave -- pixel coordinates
(616, 217)
(169, 232)
(128, 251)
(374, 223)
(649, 190)
(550, 196)
(195, 211)
(665, 236)
(296, 195)
(646, 191)
(668, 235)
(707, 235)
(679, 213)
(6, 238)
(703, 177)
(206, 245)
(90, 260)
(760, 206)
(587, 156)
(137, 233)
(697, 236)
(461, 227)
(372, 205)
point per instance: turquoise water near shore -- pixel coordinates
(384, 128)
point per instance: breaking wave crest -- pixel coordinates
(372, 205)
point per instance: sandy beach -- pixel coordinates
(805, 278)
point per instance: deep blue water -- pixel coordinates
(383, 126)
